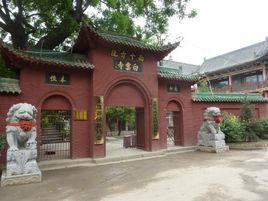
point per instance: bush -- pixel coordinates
(233, 128)
(251, 131)
(260, 127)
(2, 141)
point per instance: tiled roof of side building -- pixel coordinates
(8, 85)
(175, 74)
(185, 68)
(235, 58)
(66, 59)
(227, 97)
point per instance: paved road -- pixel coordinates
(232, 176)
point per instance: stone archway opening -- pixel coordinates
(55, 138)
(126, 97)
(174, 124)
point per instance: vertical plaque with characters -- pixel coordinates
(98, 119)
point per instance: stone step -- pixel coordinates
(52, 141)
(180, 149)
(50, 131)
(115, 159)
(49, 128)
(50, 136)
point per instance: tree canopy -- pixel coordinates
(120, 115)
(48, 23)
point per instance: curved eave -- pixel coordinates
(9, 86)
(181, 79)
(88, 35)
(12, 55)
(227, 98)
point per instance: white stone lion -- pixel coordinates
(20, 129)
(210, 134)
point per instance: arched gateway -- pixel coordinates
(55, 135)
(174, 123)
(130, 93)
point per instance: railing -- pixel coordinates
(251, 86)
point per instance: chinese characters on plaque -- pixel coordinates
(127, 61)
(57, 78)
(173, 88)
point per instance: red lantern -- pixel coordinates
(217, 120)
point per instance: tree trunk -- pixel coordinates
(52, 39)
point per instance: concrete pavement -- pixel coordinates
(197, 176)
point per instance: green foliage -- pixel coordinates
(57, 19)
(203, 86)
(4, 71)
(251, 130)
(120, 115)
(246, 110)
(2, 141)
(232, 127)
(260, 127)
(250, 133)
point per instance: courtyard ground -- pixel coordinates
(197, 176)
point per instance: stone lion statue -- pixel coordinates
(20, 129)
(211, 121)
(21, 164)
(210, 134)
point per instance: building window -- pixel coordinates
(219, 83)
(173, 88)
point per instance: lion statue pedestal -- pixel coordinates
(210, 136)
(21, 166)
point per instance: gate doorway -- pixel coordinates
(174, 124)
(173, 129)
(125, 131)
(55, 134)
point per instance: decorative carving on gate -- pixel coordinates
(155, 118)
(22, 152)
(99, 118)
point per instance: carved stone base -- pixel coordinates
(20, 179)
(212, 149)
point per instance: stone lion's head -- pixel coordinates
(21, 111)
(212, 112)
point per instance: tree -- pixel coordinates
(202, 86)
(120, 115)
(48, 23)
(247, 117)
(6, 72)
(246, 110)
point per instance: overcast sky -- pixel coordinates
(220, 26)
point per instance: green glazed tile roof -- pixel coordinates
(50, 57)
(8, 85)
(175, 74)
(227, 97)
(130, 41)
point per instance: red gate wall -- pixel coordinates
(35, 91)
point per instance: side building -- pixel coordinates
(242, 70)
